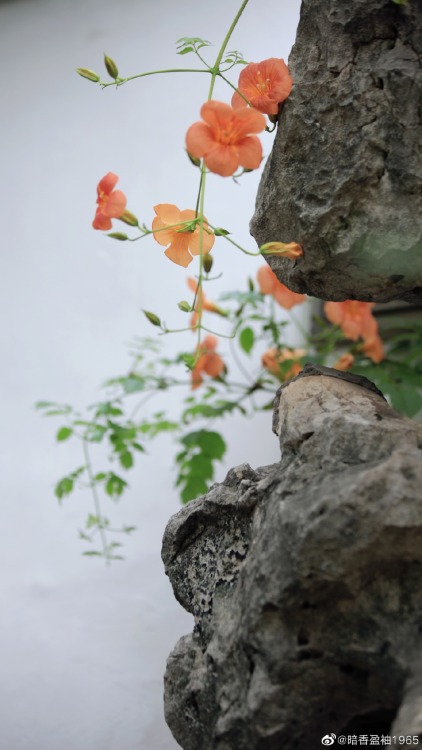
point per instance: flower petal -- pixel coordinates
(222, 159)
(266, 279)
(115, 205)
(199, 140)
(238, 101)
(249, 121)
(163, 236)
(178, 251)
(250, 152)
(101, 221)
(216, 114)
(208, 239)
(168, 213)
(107, 183)
(214, 365)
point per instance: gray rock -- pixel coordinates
(304, 580)
(344, 178)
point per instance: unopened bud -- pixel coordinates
(196, 162)
(154, 319)
(220, 232)
(184, 306)
(129, 218)
(111, 67)
(117, 236)
(88, 74)
(290, 250)
(251, 285)
(208, 260)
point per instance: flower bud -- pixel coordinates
(111, 67)
(184, 306)
(117, 236)
(207, 262)
(290, 250)
(220, 232)
(154, 319)
(129, 218)
(88, 74)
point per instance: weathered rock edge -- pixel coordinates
(344, 177)
(304, 579)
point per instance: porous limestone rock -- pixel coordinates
(304, 580)
(344, 177)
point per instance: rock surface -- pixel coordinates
(304, 579)
(344, 178)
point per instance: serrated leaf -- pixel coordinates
(247, 339)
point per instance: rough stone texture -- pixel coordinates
(304, 579)
(344, 178)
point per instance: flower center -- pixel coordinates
(263, 84)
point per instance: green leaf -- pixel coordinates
(64, 433)
(115, 485)
(185, 50)
(247, 339)
(126, 459)
(193, 488)
(64, 487)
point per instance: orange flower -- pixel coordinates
(265, 84)
(273, 360)
(354, 318)
(209, 361)
(224, 139)
(345, 362)
(206, 304)
(182, 244)
(291, 250)
(111, 203)
(374, 348)
(269, 284)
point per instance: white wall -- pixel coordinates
(83, 647)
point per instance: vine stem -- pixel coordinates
(121, 81)
(95, 498)
(215, 71)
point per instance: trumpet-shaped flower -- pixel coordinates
(264, 84)
(225, 139)
(111, 203)
(208, 362)
(291, 250)
(277, 362)
(354, 318)
(269, 284)
(201, 302)
(184, 242)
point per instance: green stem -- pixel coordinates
(121, 81)
(96, 499)
(224, 45)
